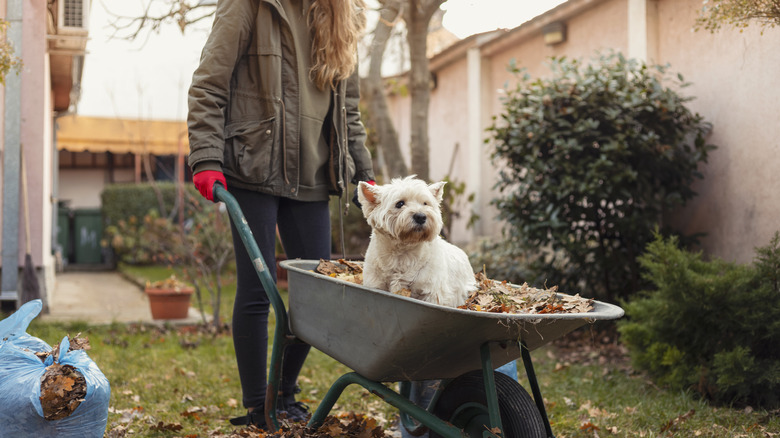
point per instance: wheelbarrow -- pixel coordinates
(388, 339)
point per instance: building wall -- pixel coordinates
(36, 134)
(447, 115)
(732, 74)
(35, 140)
(81, 188)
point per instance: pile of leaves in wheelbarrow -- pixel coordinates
(491, 295)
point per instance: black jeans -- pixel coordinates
(304, 228)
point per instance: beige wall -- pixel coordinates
(82, 188)
(35, 136)
(733, 75)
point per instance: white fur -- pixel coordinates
(406, 254)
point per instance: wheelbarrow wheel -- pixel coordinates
(464, 404)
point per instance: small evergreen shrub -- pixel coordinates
(710, 326)
(589, 161)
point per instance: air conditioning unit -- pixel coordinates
(73, 17)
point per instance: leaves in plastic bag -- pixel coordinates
(63, 388)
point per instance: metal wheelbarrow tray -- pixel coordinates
(387, 338)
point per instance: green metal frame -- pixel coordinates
(283, 337)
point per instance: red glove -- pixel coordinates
(204, 182)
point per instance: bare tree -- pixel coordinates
(417, 15)
(373, 93)
(158, 13)
(738, 13)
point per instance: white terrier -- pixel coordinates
(406, 255)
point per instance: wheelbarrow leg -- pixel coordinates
(490, 392)
(389, 396)
(529, 371)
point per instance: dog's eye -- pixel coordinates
(399, 204)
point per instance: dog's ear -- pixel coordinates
(438, 190)
(367, 194)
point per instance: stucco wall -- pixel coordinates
(449, 110)
(733, 76)
(35, 132)
(81, 188)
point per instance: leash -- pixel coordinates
(342, 212)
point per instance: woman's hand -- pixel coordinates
(204, 182)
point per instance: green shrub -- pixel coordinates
(135, 226)
(710, 326)
(500, 260)
(122, 201)
(589, 161)
(139, 241)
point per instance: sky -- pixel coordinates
(148, 78)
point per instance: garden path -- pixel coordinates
(101, 297)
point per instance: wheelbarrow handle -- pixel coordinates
(282, 335)
(237, 216)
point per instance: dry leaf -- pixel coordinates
(171, 427)
(672, 424)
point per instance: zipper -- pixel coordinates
(284, 141)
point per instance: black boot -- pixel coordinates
(294, 410)
(255, 418)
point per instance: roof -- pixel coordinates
(120, 136)
(497, 40)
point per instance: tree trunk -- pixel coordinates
(389, 157)
(417, 17)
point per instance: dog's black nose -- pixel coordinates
(419, 218)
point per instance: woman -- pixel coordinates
(273, 116)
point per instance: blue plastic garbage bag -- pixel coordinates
(21, 413)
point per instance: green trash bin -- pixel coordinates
(88, 230)
(63, 231)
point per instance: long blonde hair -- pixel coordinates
(336, 25)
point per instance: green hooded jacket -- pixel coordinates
(252, 117)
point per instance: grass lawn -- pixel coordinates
(184, 375)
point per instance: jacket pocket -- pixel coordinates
(248, 150)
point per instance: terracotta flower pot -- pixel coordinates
(169, 303)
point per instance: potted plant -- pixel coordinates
(169, 298)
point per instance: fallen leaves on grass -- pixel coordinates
(349, 425)
(491, 295)
(673, 424)
(166, 427)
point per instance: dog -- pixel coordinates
(406, 255)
